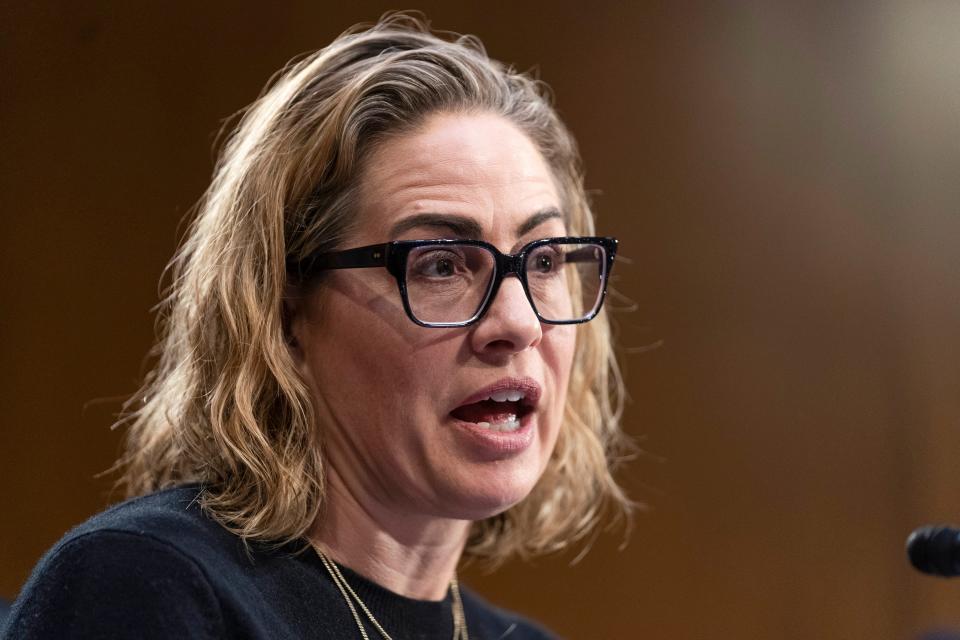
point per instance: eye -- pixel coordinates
(441, 267)
(438, 264)
(545, 261)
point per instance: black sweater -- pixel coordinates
(158, 567)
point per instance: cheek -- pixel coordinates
(343, 352)
(558, 358)
(561, 347)
(367, 366)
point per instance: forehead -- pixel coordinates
(476, 166)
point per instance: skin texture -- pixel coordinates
(404, 479)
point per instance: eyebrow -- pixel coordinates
(461, 226)
(468, 228)
(536, 220)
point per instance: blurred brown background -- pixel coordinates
(783, 177)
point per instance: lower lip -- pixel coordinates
(498, 443)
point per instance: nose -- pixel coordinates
(509, 325)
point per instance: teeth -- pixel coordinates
(510, 424)
(507, 396)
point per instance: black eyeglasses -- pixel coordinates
(451, 283)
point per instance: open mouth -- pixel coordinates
(502, 410)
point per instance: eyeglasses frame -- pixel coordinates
(393, 257)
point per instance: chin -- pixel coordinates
(480, 501)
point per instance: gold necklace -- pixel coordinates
(349, 596)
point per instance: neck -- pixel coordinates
(414, 556)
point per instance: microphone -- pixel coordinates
(935, 549)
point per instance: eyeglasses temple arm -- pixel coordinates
(581, 255)
(374, 255)
(587, 254)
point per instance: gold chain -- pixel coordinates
(349, 595)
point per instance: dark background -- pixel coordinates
(783, 177)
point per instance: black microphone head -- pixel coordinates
(935, 550)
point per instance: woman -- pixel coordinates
(376, 360)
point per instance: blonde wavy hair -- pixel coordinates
(225, 406)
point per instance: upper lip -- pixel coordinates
(530, 388)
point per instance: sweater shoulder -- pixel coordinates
(169, 523)
(166, 513)
(171, 517)
(123, 574)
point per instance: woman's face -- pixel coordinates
(407, 404)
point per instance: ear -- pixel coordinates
(294, 315)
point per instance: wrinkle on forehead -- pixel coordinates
(478, 164)
(461, 179)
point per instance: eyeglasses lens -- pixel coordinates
(449, 283)
(566, 280)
